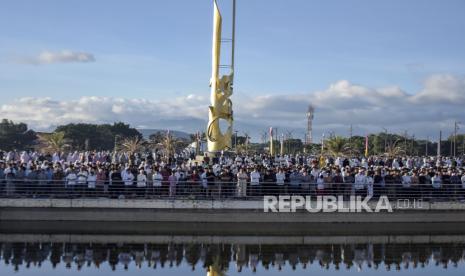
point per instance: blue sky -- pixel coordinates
(158, 50)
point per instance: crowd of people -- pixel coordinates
(337, 256)
(148, 175)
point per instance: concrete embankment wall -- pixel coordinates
(214, 211)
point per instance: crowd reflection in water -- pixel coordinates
(337, 256)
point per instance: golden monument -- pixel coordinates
(220, 108)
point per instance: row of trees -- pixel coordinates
(121, 136)
(162, 142)
(378, 144)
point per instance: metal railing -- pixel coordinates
(15, 188)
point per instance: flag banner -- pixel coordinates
(366, 146)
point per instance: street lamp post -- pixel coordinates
(116, 142)
(456, 127)
(385, 139)
(235, 140)
(426, 145)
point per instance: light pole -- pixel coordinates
(289, 137)
(439, 144)
(322, 143)
(385, 139)
(235, 140)
(116, 142)
(413, 144)
(456, 127)
(451, 152)
(426, 145)
(405, 142)
(197, 143)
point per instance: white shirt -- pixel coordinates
(360, 181)
(9, 170)
(436, 182)
(406, 181)
(254, 178)
(203, 178)
(128, 177)
(71, 179)
(91, 179)
(157, 179)
(280, 177)
(320, 183)
(141, 180)
(82, 177)
(370, 182)
(179, 175)
(315, 172)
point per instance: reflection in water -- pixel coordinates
(215, 258)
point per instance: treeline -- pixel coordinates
(378, 144)
(17, 136)
(97, 137)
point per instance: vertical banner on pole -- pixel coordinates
(366, 146)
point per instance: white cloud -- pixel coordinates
(64, 56)
(45, 113)
(442, 89)
(434, 107)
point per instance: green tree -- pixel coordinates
(53, 142)
(313, 149)
(395, 148)
(97, 137)
(131, 144)
(292, 145)
(167, 143)
(123, 130)
(156, 139)
(16, 136)
(337, 146)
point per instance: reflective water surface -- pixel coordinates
(31, 257)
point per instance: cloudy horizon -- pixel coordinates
(437, 105)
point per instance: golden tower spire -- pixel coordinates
(221, 89)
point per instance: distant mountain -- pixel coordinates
(178, 134)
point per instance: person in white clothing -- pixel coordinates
(280, 179)
(241, 189)
(173, 181)
(128, 180)
(81, 184)
(406, 185)
(360, 183)
(463, 180)
(157, 182)
(462, 188)
(320, 184)
(141, 183)
(71, 180)
(436, 183)
(255, 182)
(91, 180)
(370, 182)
